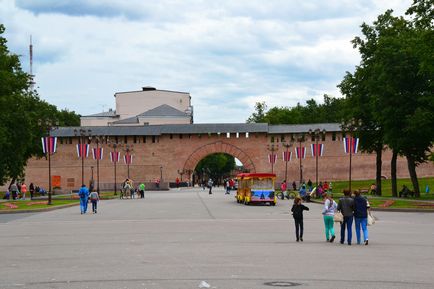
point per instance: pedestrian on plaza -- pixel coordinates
(328, 212)
(283, 189)
(177, 182)
(83, 193)
(294, 186)
(14, 191)
(94, 198)
(142, 190)
(228, 187)
(23, 190)
(31, 190)
(309, 185)
(346, 207)
(361, 206)
(297, 213)
(210, 183)
(7, 195)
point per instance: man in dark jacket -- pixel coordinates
(346, 207)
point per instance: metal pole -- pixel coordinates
(286, 165)
(300, 156)
(114, 158)
(316, 156)
(272, 159)
(82, 159)
(351, 140)
(97, 165)
(49, 173)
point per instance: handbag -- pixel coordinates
(338, 217)
(371, 219)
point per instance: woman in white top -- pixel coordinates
(328, 212)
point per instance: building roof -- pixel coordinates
(201, 128)
(110, 113)
(163, 110)
(149, 88)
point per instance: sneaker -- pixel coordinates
(366, 242)
(298, 240)
(301, 239)
(332, 239)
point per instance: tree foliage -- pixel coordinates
(23, 116)
(332, 110)
(216, 166)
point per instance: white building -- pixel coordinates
(148, 106)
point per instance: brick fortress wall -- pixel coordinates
(177, 152)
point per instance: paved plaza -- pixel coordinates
(177, 239)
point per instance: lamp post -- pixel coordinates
(272, 157)
(161, 173)
(114, 156)
(82, 133)
(287, 157)
(317, 133)
(351, 143)
(50, 148)
(300, 139)
(128, 157)
(98, 157)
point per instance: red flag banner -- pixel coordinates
(83, 150)
(317, 149)
(128, 159)
(115, 156)
(351, 143)
(97, 153)
(272, 158)
(300, 152)
(49, 144)
(287, 156)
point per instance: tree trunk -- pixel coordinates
(378, 171)
(412, 171)
(393, 173)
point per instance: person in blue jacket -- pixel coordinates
(83, 193)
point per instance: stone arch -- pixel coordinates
(218, 147)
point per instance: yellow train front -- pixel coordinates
(256, 188)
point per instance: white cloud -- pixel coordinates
(227, 54)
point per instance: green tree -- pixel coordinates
(259, 114)
(217, 166)
(393, 85)
(23, 116)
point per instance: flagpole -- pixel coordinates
(97, 164)
(351, 151)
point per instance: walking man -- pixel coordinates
(83, 193)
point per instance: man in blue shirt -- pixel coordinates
(83, 193)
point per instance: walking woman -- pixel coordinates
(361, 207)
(328, 212)
(297, 213)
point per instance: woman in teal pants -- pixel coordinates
(328, 212)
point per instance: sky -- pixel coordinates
(227, 54)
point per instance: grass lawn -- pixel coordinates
(32, 205)
(386, 186)
(103, 195)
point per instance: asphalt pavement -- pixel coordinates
(190, 239)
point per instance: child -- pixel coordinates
(94, 198)
(297, 213)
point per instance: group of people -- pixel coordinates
(86, 196)
(352, 208)
(306, 190)
(19, 190)
(229, 184)
(128, 190)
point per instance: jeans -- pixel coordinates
(329, 227)
(298, 228)
(361, 223)
(94, 205)
(83, 205)
(348, 222)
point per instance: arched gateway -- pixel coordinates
(218, 147)
(170, 151)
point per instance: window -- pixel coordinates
(282, 138)
(70, 140)
(323, 137)
(272, 139)
(180, 136)
(153, 139)
(144, 139)
(171, 136)
(61, 140)
(334, 136)
(135, 139)
(125, 139)
(312, 137)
